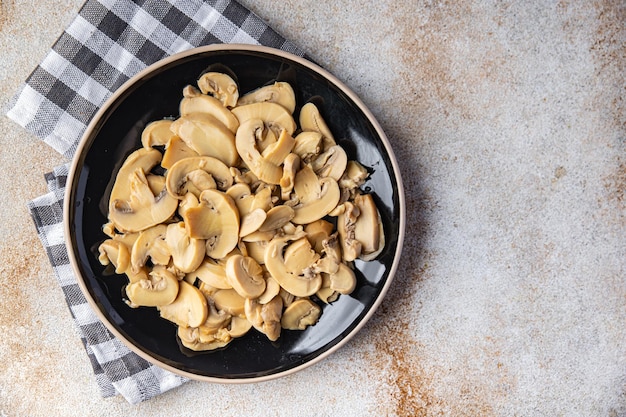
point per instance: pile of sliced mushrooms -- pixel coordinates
(233, 217)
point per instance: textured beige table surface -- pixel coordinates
(509, 123)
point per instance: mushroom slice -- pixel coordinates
(207, 136)
(300, 314)
(280, 93)
(150, 244)
(157, 133)
(331, 163)
(276, 218)
(346, 224)
(252, 221)
(181, 173)
(187, 252)
(175, 150)
(238, 326)
(276, 152)
(317, 232)
(265, 317)
(216, 220)
(242, 196)
(312, 120)
(190, 338)
(211, 273)
(291, 165)
(189, 309)
(245, 140)
(273, 115)
(230, 301)
(133, 206)
(368, 227)
(354, 176)
(256, 249)
(221, 86)
(272, 289)
(299, 281)
(114, 252)
(245, 275)
(307, 145)
(326, 294)
(209, 105)
(344, 280)
(160, 288)
(316, 196)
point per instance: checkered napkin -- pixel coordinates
(106, 44)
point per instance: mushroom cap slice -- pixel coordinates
(215, 219)
(157, 133)
(252, 221)
(189, 309)
(150, 244)
(316, 196)
(238, 326)
(207, 136)
(276, 152)
(291, 165)
(245, 275)
(229, 301)
(354, 176)
(190, 338)
(312, 120)
(367, 229)
(221, 86)
(209, 105)
(175, 150)
(280, 93)
(317, 232)
(246, 138)
(346, 221)
(344, 280)
(211, 273)
(276, 218)
(114, 252)
(301, 282)
(300, 314)
(179, 174)
(160, 288)
(273, 115)
(272, 289)
(187, 252)
(307, 145)
(133, 205)
(331, 163)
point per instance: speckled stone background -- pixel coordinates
(508, 119)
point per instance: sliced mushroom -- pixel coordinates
(150, 244)
(207, 136)
(189, 309)
(316, 197)
(116, 253)
(265, 317)
(216, 220)
(368, 227)
(211, 273)
(245, 141)
(245, 275)
(209, 105)
(190, 338)
(331, 163)
(291, 166)
(186, 170)
(252, 221)
(256, 249)
(133, 206)
(312, 120)
(317, 232)
(308, 145)
(238, 326)
(160, 288)
(221, 86)
(344, 280)
(175, 150)
(187, 252)
(300, 314)
(295, 276)
(354, 176)
(346, 224)
(272, 289)
(276, 218)
(280, 93)
(273, 115)
(229, 301)
(326, 294)
(275, 153)
(157, 133)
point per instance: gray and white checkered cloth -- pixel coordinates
(107, 43)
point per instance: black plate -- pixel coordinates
(115, 132)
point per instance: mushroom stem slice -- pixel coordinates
(300, 314)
